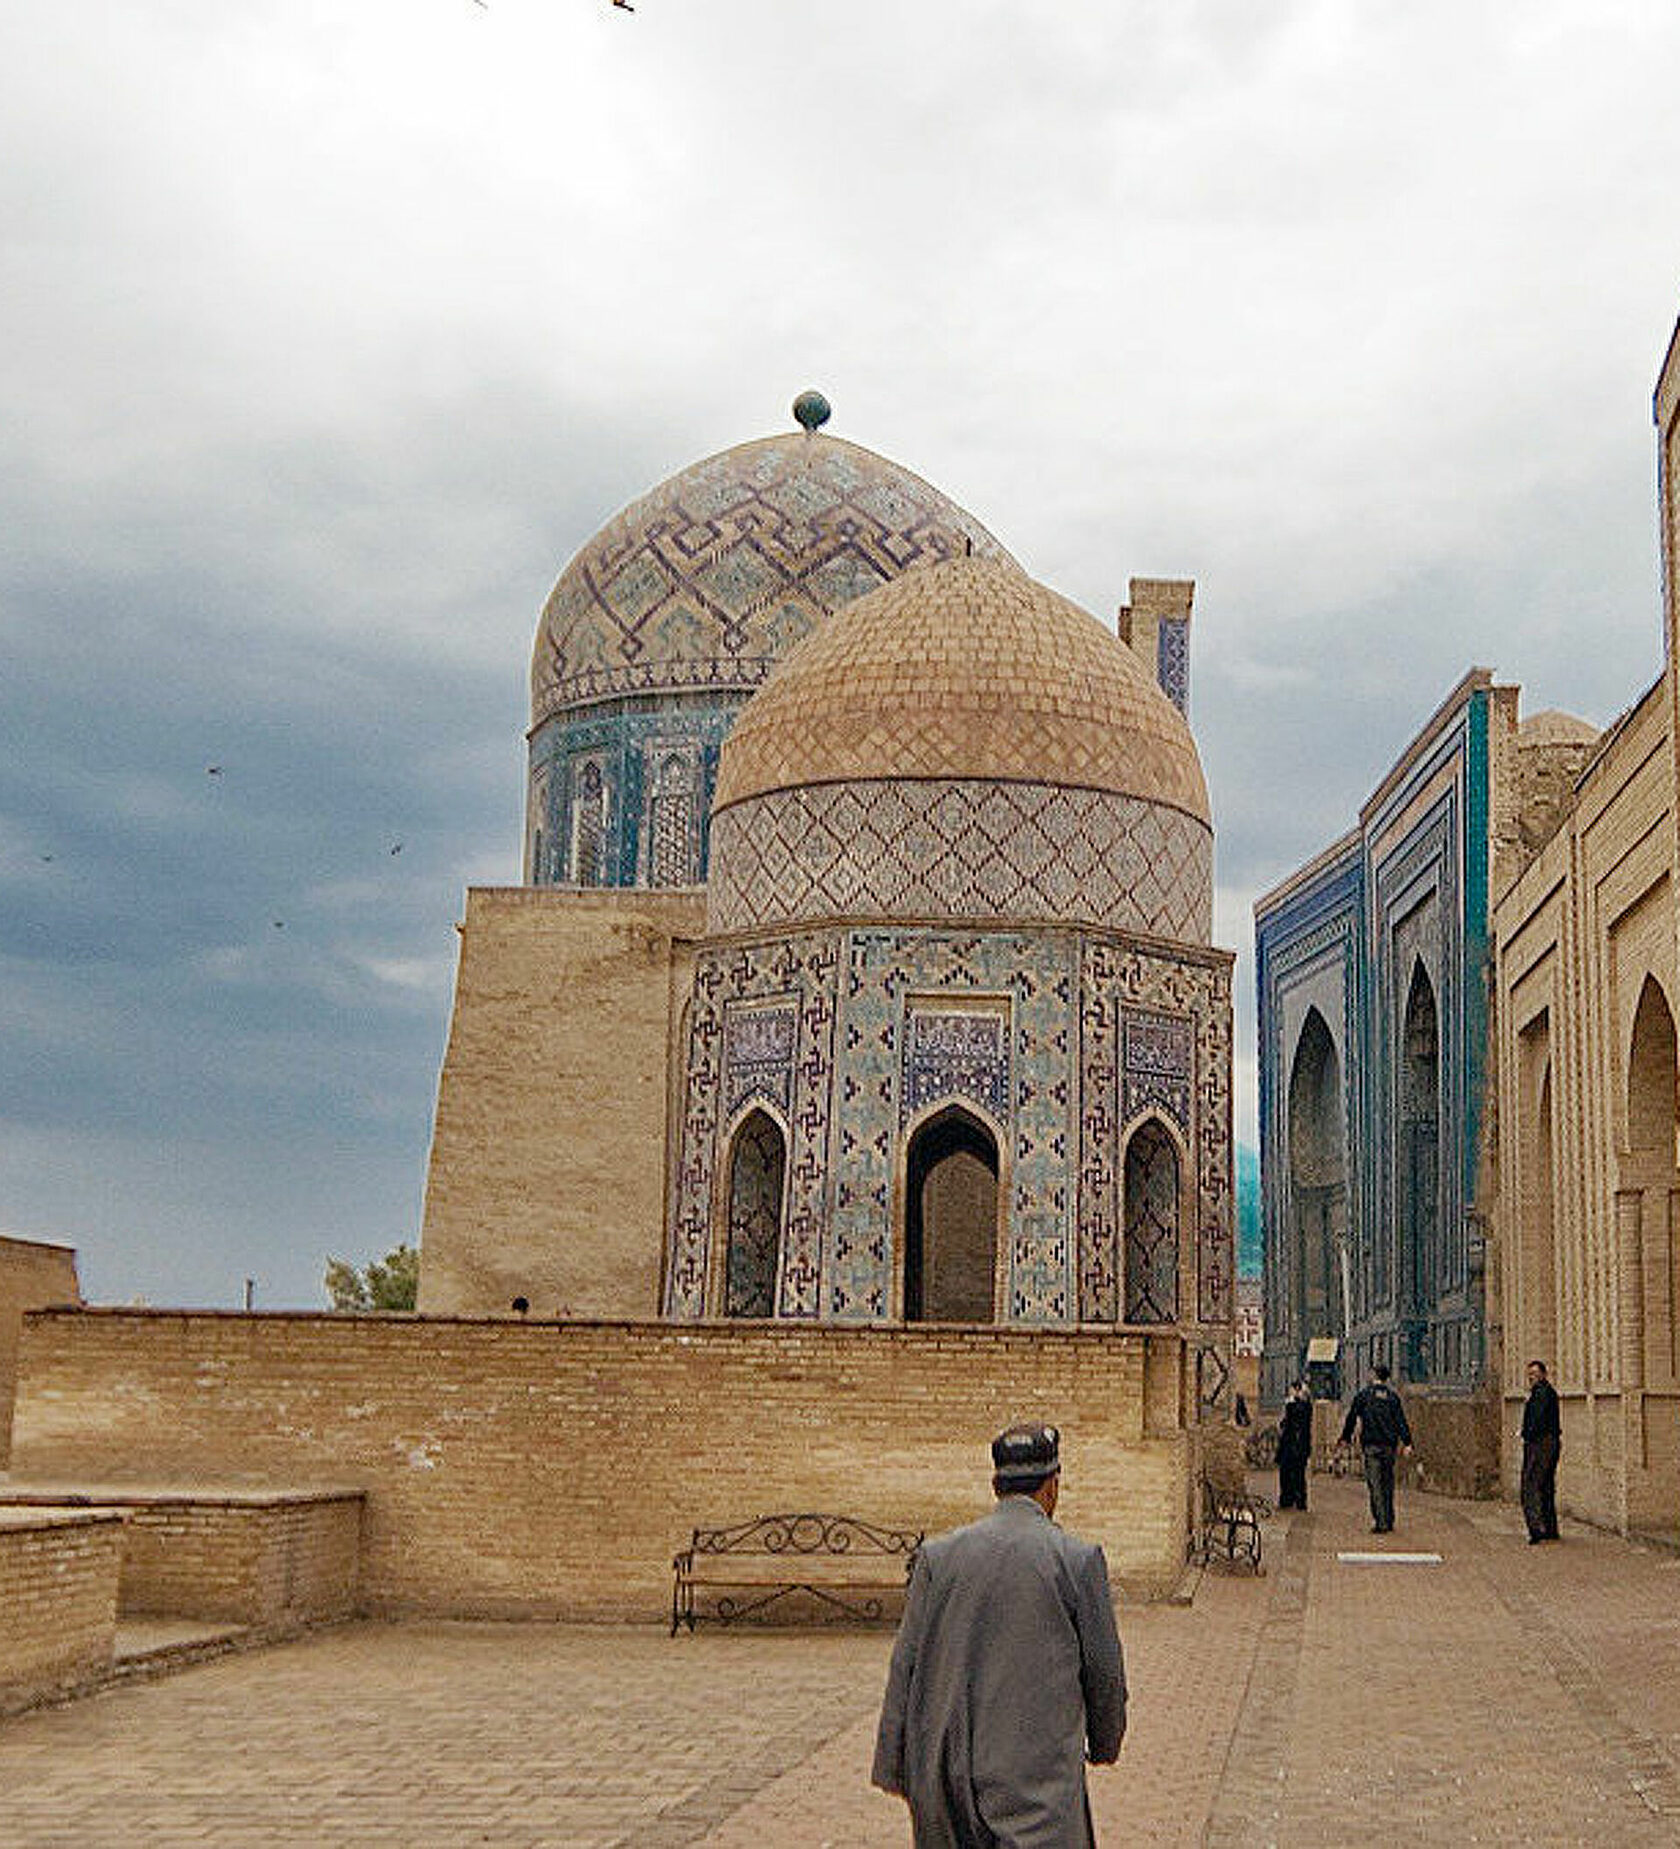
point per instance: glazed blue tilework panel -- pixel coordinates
(795, 976)
(1409, 888)
(658, 765)
(955, 1056)
(1155, 1036)
(865, 1032)
(896, 981)
(708, 580)
(1172, 661)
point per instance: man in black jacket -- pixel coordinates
(1542, 1431)
(1381, 1420)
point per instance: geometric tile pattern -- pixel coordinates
(949, 1056)
(706, 581)
(758, 1053)
(849, 1036)
(1155, 1058)
(961, 849)
(1172, 661)
(1137, 1008)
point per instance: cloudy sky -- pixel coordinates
(331, 331)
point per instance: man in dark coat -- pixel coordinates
(1007, 1671)
(1381, 1420)
(1542, 1434)
(1294, 1447)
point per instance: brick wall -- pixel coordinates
(551, 1469)
(259, 1558)
(31, 1274)
(58, 1599)
(547, 1174)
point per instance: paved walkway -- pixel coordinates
(1509, 1695)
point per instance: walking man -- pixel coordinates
(1381, 1420)
(1542, 1433)
(1007, 1673)
(1294, 1447)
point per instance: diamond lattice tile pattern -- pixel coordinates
(948, 849)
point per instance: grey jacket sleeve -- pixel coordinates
(1102, 1666)
(888, 1770)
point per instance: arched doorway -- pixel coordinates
(1318, 1183)
(1151, 1240)
(757, 1166)
(951, 1220)
(1419, 1227)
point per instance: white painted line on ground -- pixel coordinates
(1401, 1560)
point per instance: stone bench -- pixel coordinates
(807, 1563)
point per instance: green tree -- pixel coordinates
(388, 1283)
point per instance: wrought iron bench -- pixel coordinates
(838, 1563)
(1229, 1524)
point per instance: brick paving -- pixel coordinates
(1509, 1695)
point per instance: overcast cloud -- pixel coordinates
(331, 331)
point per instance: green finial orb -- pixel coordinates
(811, 409)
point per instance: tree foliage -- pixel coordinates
(388, 1283)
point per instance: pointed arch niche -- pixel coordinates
(1648, 1199)
(951, 1207)
(1537, 1318)
(1318, 1183)
(1419, 1228)
(757, 1171)
(1152, 1209)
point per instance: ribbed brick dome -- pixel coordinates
(967, 670)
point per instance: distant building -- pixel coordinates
(1587, 998)
(1376, 1130)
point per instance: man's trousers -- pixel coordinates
(1539, 1486)
(1379, 1481)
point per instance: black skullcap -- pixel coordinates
(1025, 1453)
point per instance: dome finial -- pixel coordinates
(812, 409)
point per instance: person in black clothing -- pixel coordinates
(1294, 1447)
(1542, 1432)
(1381, 1419)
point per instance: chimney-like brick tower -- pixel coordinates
(1155, 624)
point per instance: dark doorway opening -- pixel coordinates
(950, 1221)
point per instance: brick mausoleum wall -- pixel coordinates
(58, 1600)
(31, 1275)
(518, 1469)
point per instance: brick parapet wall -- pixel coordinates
(263, 1560)
(522, 1469)
(58, 1600)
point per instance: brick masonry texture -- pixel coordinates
(268, 1560)
(553, 1469)
(1290, 1710)
(968, 670)
(31, 1274)
(58, 1599)
(547, 1177)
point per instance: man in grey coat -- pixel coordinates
(1007, 1672)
